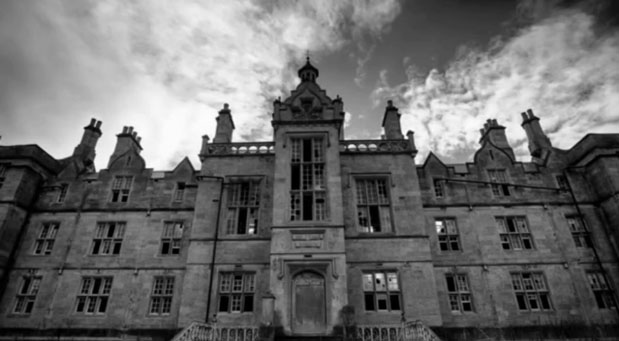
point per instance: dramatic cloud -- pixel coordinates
(560, 66)
(164, 67)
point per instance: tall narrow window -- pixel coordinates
(373, 206)
(499, 185)
(161, 296)
(3, 168)
(514, 233)
(308, 196)
(236, 292)
(108, 238)
(62, 194)
(179, 193)
(45, 241)
(94, 295)
(121, 188)
(579, 233)
(171, 238)
(243, 205)
(27, 294)
(439, 190)
(459, 293)
(447, 231)
(381, 291)
(602, 290)
(531, 291)
(562, 182)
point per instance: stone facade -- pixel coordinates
(310, 232)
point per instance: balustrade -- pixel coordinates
(374, 146)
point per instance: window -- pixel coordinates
(514, 233)
(62, 194)
(161, 296)
(27, 294)
(45, 242)
(447, 231)
(373, 207)
(3, 168)
(499, 179)
(531, 291)
(121, 188)
(579, 233)
(171, 238)
(236, 292)
(94, 295)
(108, 238)
(243, 204)
(562, 182)
(603, 291)
(459, 293)
(381, 291)
(439, 190)
(179, 193)
(308, 195)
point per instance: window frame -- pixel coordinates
(579, 231)
(63, 190)
(439, 188)
(499, 182)
(363, 204)
(244, 296)
(387, 295)
(602, 290)
(26, 295)
(301, 192)
(179, 192)
(448, 238)
(170, 240)
(102, 296)
(121, 188)
(238, 208)
(162, 292)
(4, 167)
(44, 243)
(562, 182)
(529, 291)
(511, 238)
(114, 242)
(459, 293)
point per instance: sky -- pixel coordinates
(167, 67)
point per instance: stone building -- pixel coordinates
(311, 234)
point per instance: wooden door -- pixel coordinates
(308, 303)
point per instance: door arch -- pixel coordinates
(308, 303)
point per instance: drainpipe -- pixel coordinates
(212, 267)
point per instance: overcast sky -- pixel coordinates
(167, 67)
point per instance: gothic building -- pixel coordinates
(311, 234)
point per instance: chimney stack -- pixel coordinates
(391, 123)
(494, 133)
(85, 150)
(539, 143)
(225, 126)
(127, 140)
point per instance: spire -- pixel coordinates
(308, 73)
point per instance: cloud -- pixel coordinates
(164, 67)
(560, 66)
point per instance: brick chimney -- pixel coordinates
(127, 140)
(85, 150)
(391, 123)
(495, 134)
(539, 143)
(225, 126)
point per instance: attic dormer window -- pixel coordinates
(499, 184)
(121, 188)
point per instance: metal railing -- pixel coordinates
(407, 331)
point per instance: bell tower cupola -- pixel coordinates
(308, 73)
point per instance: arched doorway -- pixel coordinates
(308, 300)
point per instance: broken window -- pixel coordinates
(236, 292)
(459, 293)
(243, 206)
(121, 186)
(499, 184)
(579, 232)
(45, 240)
(381, 291)
(161, 296)
(373, 205)
(108, 238)
(308, 198)
(62, 194)
(602, 290)
(514, 233)
(531, 291)
(94, 295)
(447, 231)
(27, 294)
(439, 190)
(171, 238)
(179, 193)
